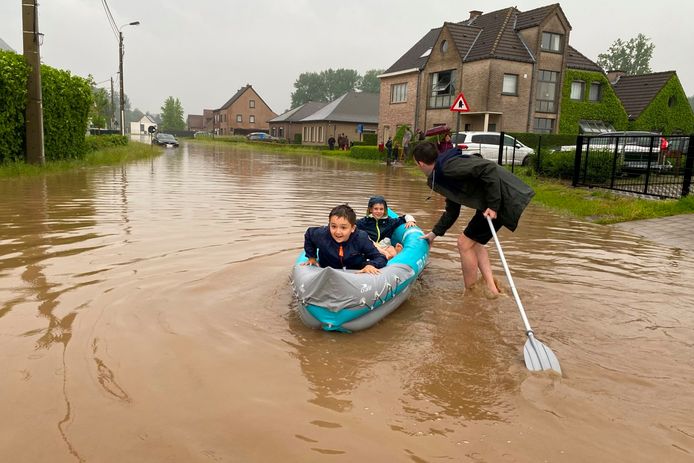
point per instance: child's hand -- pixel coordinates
(410, 224)
(370, 269)
(310, 261)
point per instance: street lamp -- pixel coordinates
(120, 54)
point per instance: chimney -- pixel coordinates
(613, 76)
(474, 14)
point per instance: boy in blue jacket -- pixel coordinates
(341, 245)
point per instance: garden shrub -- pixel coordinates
(367, 152)
(97, 142)
(14, 73)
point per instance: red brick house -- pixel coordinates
(243, 113)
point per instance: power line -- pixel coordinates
(109, 16)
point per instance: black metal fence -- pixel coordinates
(646, 164)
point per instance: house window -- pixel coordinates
(442, 89)
(671, 101)
(274, 131)
(544, 125)
(398, 93)
(551, 42)
(546, 91)
(239, 118)
(320, 134)
(595, 93)
(578, 89)
(251, 119)
(510, 84)
(251, 103)
(281, 132)
(444, 46)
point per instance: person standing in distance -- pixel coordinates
(479, 184)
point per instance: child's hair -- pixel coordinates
(376, 200)
(344, 211)
(425, 152)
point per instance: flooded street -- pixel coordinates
(146, 315)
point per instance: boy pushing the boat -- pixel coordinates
(479, 184)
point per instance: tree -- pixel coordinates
(172, 115)
(309, 87)
(370, 82)
(632, 57)
(324, 86)
(339, 82)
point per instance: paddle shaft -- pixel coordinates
(528, 330)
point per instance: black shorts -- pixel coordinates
(478, 229)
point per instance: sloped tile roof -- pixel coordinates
(464, 36)
(350, 107)
(576, 60)
(498, 38)
(413, 58)
(637, 92)
(298, 113)
(532, 18)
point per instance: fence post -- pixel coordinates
(501, 148)
(687, 180)
(577, 159)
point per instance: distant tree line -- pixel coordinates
(329, 84)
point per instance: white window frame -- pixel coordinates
(251, 119)
(510, 84)
(398, 93)
(551, 41)
(239, 118)
(578, 90)
(595, 91)
(251, 103)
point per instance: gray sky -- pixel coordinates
(203, 51)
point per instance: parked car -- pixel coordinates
(486, 144)
(201, 134)
(164, 139)
(260, 136)
(635, 147)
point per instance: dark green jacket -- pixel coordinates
(478, 184)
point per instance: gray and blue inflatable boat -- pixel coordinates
(344, 300)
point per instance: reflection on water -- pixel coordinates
(148, 307)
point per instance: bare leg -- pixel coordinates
(485, 267)
(468, 260)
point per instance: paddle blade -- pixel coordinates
(539, 357)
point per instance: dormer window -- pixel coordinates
(551, 42)
(426, 53)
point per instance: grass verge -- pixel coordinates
(108, 156)
(602, 206)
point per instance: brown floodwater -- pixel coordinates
(146, 315)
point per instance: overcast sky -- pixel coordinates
(203, 51)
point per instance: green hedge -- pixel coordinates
(549, 140)
(560, 164)
(66, 103)
(370, 139)
(14, 73)
(97, 142)
(367, 152)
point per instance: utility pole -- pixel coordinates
(113, 108)
(34, 110)
(120, 62)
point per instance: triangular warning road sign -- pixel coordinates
(460, 104)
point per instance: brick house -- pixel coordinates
(243, 113)
(288, 124)
(519, 74)
(195, 122)
(352, 114)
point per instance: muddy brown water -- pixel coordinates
(146, 315)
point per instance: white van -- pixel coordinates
(486, 144)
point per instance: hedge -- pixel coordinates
(97, 142)
(66, 102)
(14, 73)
